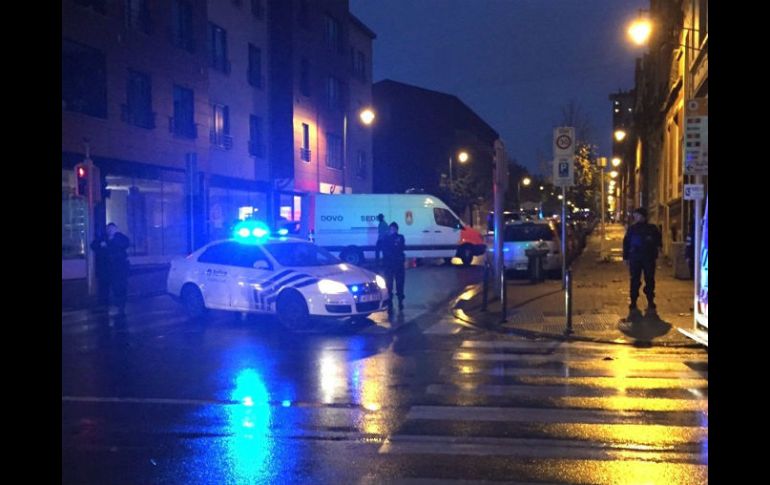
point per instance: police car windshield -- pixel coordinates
(301, 254)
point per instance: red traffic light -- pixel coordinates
(81, 172)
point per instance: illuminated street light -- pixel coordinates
(615, 161)
(367, 116)
(462, 157)
(620, 135)
(614, 174)
(640, 31)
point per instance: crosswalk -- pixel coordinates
(558, 412)
(166, 316)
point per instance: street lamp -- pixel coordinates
(614, 174)
(366, 115)
(640, 31)
(616, 161)
(462, 157)
(620, 134)
(526, 181)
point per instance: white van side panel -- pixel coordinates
(351, 220)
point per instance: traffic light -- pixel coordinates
(81, 180)
(87, 175)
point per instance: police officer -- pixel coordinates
(393, 258)
(382, 231)
(112, 266)
(640, 249)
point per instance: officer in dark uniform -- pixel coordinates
(393, 258)
(640, 249)
(112, 266)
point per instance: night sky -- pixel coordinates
(516, 63)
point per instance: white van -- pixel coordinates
(346, 224)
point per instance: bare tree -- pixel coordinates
(573, 115)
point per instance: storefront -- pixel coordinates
(147, 203)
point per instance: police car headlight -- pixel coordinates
(380, 282)
(330, 287)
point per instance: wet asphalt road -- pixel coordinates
(156, 398)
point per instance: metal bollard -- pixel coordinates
(485, 291)
(568, 301)
(503, 297)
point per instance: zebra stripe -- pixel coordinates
(280, 275)
(271, 299)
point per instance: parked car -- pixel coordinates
(291, 278)
(520, 236)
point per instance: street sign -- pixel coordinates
(563, 141)
(696, 137)
(693, 192)
(564, 171)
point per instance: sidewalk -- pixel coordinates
(599, 302)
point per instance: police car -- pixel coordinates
(291, 278)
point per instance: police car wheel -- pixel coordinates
(193, 301)
(352, 255)
(292, 311)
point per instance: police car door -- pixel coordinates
(251, 267)
(214, 266)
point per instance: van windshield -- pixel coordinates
(528, 232)
(446, 218)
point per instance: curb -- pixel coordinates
(458, 312)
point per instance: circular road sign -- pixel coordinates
(563, 142)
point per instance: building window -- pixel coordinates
(257, 9)
(334, 93)
(255, 66)
(138, 108)
(304, 77)
(703, 20)
(183, 121)
(256, 137)
(359, 65)
(334, 151)
(218, 48)
(220, 127)
(182, 25)
(151, 212)
(333, 34)
(304, 151)
(361, 164)
(138, 16)
(304, 14)
(96, 5)
(83, 80)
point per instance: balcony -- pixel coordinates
(221, 140)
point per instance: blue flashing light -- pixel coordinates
(286, 403)
(250, 231)
(354, 288)
(283, 232)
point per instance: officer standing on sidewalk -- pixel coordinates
(393, 256)
(640, 250)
